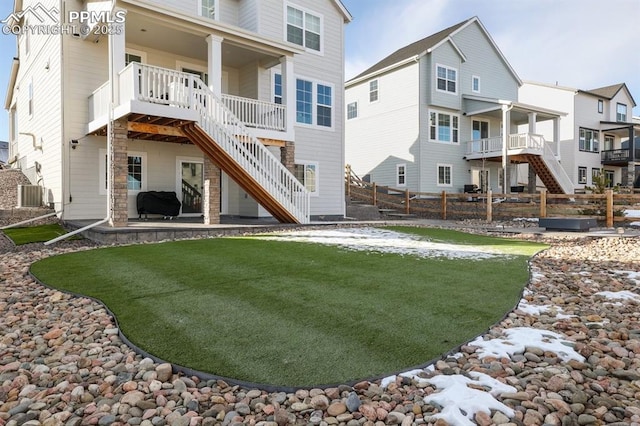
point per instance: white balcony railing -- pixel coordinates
(168, 87)
(493, 145)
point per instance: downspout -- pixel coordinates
(109, 132)
(33, 138)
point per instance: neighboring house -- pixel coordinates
(435, 115)
(236, 105)
(597, 135)
(4, 152)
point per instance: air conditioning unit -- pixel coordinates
(29, 196)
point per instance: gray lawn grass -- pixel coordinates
(294, 314)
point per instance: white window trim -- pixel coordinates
(216, 14)
(398, 166)
(438, 112)
(314, 98)
(626, 112)
(600, 106)
(377, 80)
(274, 72)
(457, 79)
(310, 12)
(582, 181)
(444, 185)
(102, 170)
(141, 53)
(473, 78)
(305, 163)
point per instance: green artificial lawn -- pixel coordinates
(36, 234)
(294, 314)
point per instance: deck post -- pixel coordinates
(443, 203)
(118, 194)
(211, 193)
(407, 199)
(288, 156)
(375, 194)
(489, 206)
(609, 217)
(543, 203)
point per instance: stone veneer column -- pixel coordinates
(288, 156)
(211, 193)
(119, 196)
(532, 181)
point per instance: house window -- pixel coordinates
(475, 84)
(207, 8)
(444, 127)
(582, 175)
(304, 101)
(446, 79)
(444, 175)
(588, 140)
(401, 175)
(480, 130)
(305, 91)
(324, 107)
(135, 56)
(608, 142)
(136, 171)
(352, 110)
(277, 88)
(595, 174)
(373, 91)
(200, 74)
(30, 97)
(600, 106)
(307, 174)
(304, 28)
(609, 176)
(621, 112)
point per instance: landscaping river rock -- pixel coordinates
(62, 362)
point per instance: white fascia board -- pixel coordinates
(455, 47)
(15, 65)
(382, 71)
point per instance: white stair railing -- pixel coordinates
(556, 169)
(184, 90)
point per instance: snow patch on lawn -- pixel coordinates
(385, 241)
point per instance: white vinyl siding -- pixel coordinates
(30, 98)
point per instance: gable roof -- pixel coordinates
(414, 49)
(427, 44)
(345, 12)
(609, 92)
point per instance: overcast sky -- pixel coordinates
(577, 43)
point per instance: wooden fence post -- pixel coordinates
(407, 199)
(609, 193)
(489, 206)
(375, 194)
(543, 203)
(444, 205)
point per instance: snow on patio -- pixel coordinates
(385, 241)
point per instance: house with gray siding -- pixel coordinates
(234, 105)
(443, 113)
(598, 134)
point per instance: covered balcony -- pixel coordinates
(156, 59)
(622, 144)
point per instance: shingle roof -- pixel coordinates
(607, 92)
(412, 49)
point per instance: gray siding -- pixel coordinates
(248, 15)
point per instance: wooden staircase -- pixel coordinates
(542, 171)
(240, 175)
